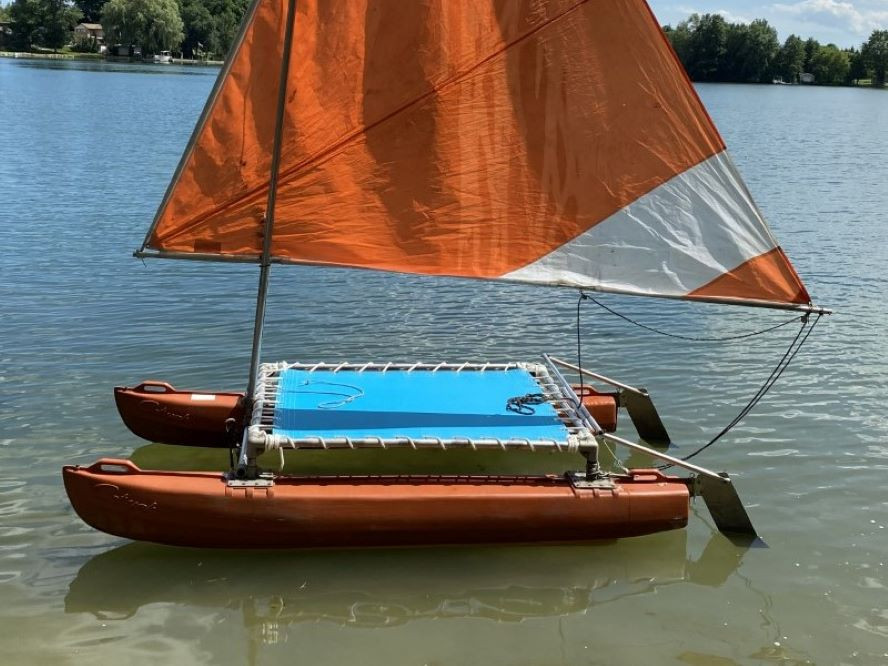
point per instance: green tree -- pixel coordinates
(812, 46)
(155, 25)
(707, 47)
(26, 24)
(791, 59)
(731, 64)
(45, 23)
(858, 69)
(211, 23)
(200, 27)
(4, 16)
(92, 9)
(680, 38)
(752, 51)
(830, 65)
(59, 19)
(229, 14)
(875, 54)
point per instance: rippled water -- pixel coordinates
(87, 152)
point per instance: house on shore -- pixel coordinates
(84, 31)
(806, 77)
(5, 31)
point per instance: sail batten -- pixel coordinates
(544, 141)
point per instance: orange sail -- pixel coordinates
(544, 141)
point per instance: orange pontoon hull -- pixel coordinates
(160, 413)
(200, 509)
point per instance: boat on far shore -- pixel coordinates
(164, 58)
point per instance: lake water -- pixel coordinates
(87, 151)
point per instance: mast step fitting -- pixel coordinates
(261, 482)
(586, 481)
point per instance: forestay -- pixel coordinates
(546, 141)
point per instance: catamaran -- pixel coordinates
(552, 142)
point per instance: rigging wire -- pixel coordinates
(615, 457)
(583, 297)
(742, 336)
(794, 347)
(787, 358)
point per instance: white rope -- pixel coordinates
(279, 443)
(273, 442)
(617, 461)
(269, 383)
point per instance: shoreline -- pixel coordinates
(98, 57)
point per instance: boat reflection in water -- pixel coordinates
(288, 597)
(384, 588)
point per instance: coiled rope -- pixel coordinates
(522, 404)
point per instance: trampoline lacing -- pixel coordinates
(574, 444)
(396, 413)
(275, 444)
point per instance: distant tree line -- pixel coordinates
(46, 23)
(711, 49)
(196, 28)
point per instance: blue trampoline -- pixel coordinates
(414, 404)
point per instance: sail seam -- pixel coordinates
(801, 295)
(321, 156)
(672, 180)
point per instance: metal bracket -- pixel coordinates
(264, 480)
(250, 483)
(585, 481)
(592, 467)
(695, 485)
(252, 445)
(636, 401)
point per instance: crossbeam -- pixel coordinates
(268, 442)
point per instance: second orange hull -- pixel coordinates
(202, 510)
(160, 413)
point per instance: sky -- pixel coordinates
(842, 22)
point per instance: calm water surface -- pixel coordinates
(87, 151)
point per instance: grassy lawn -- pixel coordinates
(66, 52)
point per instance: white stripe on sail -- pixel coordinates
(673, 240)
